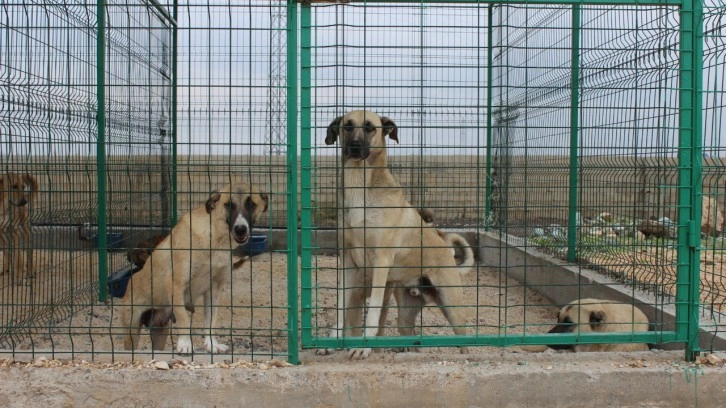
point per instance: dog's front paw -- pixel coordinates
(324, 352)
(184, 345)
(213, 346)
(359, 353)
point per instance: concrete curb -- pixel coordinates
(392, 380)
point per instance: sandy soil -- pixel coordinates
(253, 311)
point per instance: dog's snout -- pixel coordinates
(240, 230)
(355, 148)
(22, 202)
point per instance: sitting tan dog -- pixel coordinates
(194, 261)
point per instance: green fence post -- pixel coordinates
(292, 114)
(490, 82)
(101, 147)
(689, 176)
(574, 134)
(174, 96)
(305, 176)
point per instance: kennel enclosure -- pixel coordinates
(556, 129)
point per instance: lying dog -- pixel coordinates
(598, 316)
(380, 233)
(194, 261)
(17, 191)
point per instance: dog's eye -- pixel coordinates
(370, 129)
(250, 205)
(229, 205)
(567, 321)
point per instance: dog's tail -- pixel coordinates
(462, 251)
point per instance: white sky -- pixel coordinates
(422, 65)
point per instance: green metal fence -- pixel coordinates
(575, 145)
(570, 130)
(128, 114)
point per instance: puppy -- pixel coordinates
(194, 261)
(460, 248)
(17, 192)
(598, 316)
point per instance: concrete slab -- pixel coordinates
(506, 379)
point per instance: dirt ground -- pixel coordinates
(253, 312)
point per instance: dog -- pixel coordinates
(17, 192)
(598, 316)
(194, 261)
(421, 285)
(382, 234)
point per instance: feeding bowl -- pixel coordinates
(119, 280)
(255, 246)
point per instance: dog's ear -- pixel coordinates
(389, 128)
(30, 180)
(597, 317)
(212, 201)
(333, 131)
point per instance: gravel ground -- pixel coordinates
(253, 313)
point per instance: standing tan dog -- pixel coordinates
(194, 261)
(17, 192)
(381, 234)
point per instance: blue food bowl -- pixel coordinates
(119, 280)
(113, 240)
(255, 246)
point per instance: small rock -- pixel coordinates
(637, 364)
(278, 363)
(161, 365)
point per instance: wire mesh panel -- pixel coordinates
(712, 217)
(47, 141)
(232, 121)
(585, 146)
(533, 131)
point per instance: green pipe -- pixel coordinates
(174, 101)
(101, 147)
(292, 187)
(574, 134)
(689, 177)
(490, 83)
